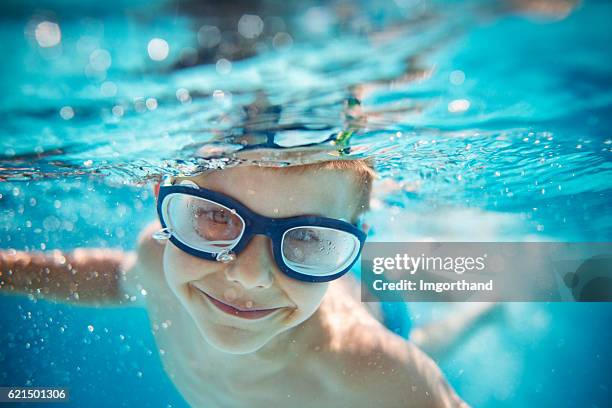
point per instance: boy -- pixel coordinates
(242, 291)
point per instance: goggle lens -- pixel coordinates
(203, 224)
(318, 251)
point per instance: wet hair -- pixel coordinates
(362, 170)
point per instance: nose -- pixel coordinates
(254, 266)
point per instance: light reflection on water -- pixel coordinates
(458, 108)
(477, 132)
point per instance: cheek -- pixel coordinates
(306, 296)
(181, 268)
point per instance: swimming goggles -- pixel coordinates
(213, 226)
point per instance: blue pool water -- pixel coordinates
(486, 121)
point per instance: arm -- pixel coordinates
(85, 276)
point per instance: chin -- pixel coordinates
(233, 340)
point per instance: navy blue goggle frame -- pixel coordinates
(256, 224)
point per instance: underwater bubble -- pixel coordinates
(100, 60)
(162, 234)
(117, 110)
(218, 95)
(230, 295)
(51, 223)
(47, 34)
(108, 89)
(90, 328)
(282, 41)
(318, 20)
(209, 36)
(225, 256)
(158, 49)
(456, 77)
(250, 26)
(298, 253)
(182, 95)
(151, 103)
(223, 66)
(458, 106)
(66, 112)
(139, 104)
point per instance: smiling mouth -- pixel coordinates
(234, 311)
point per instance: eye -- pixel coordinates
(305, 235)
(217, 216)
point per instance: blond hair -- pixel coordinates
(362, 169)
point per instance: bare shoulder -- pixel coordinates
(377, 366)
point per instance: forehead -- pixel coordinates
(277, 192)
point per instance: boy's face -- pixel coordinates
(239, 306)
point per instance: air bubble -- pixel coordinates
(230, 295)
(162, 234)
(226, 256)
